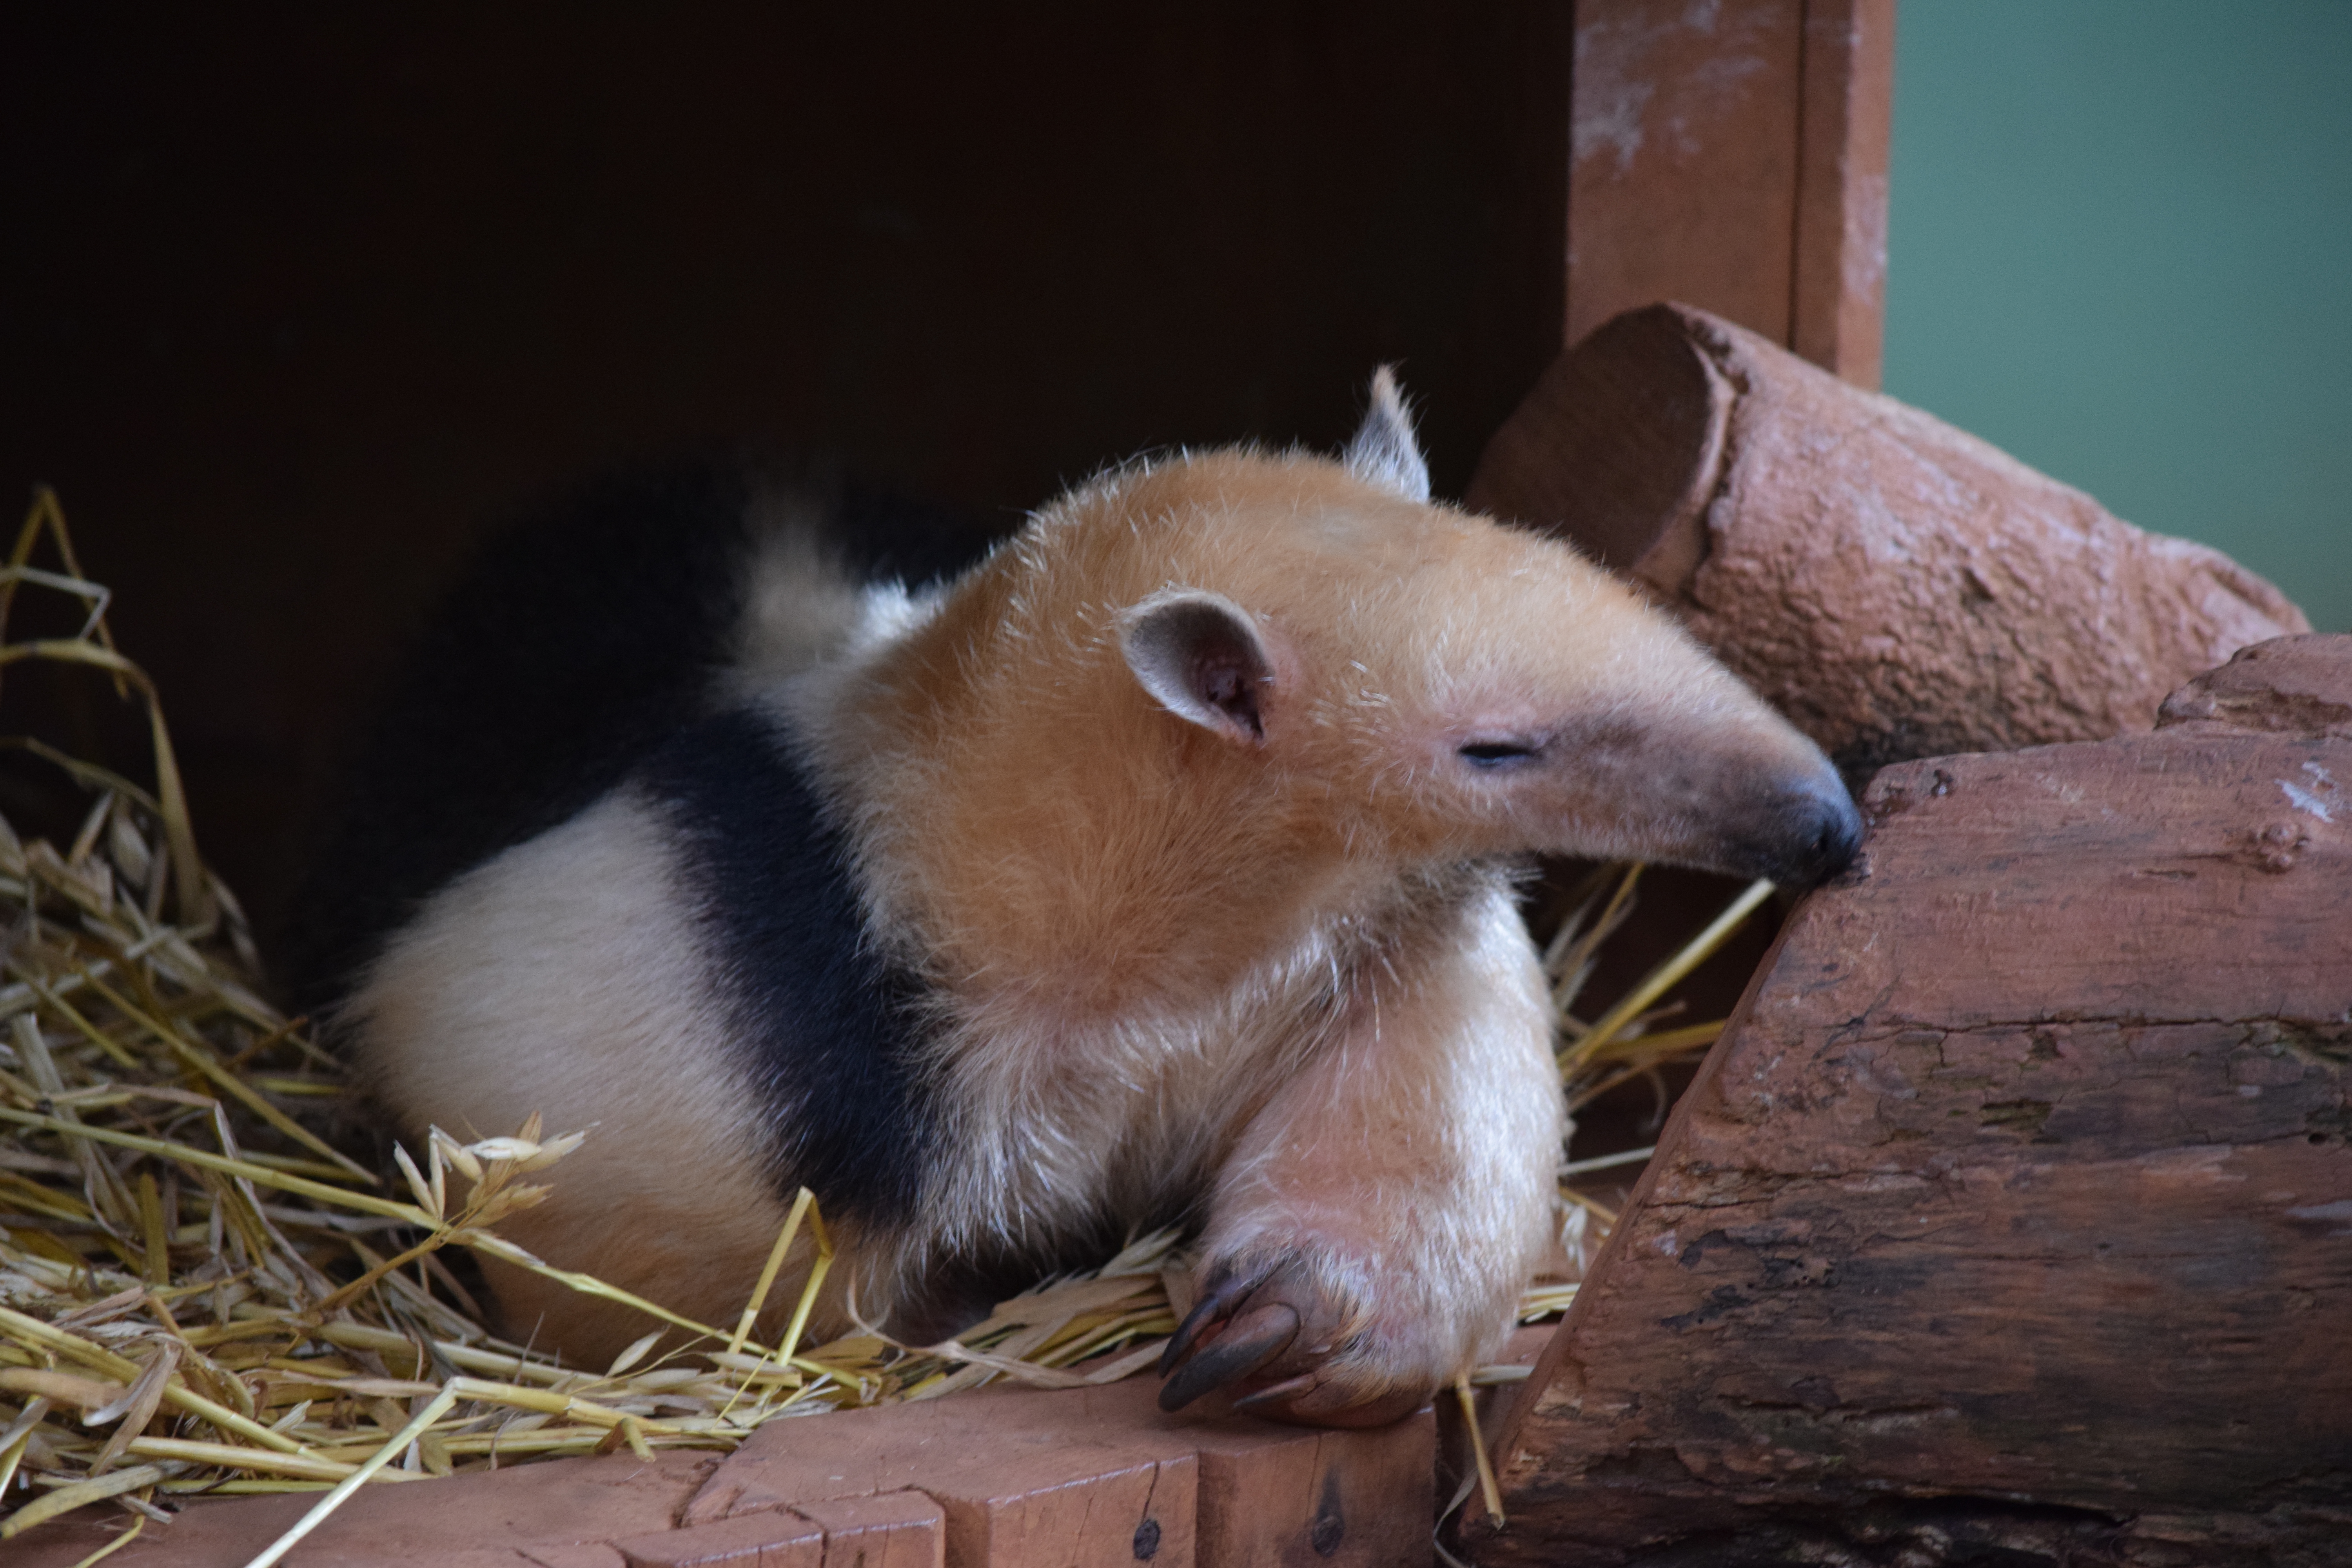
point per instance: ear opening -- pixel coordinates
(1199, 654)
(1384, 451)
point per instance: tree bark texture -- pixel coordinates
(2014, 1212)
(1899, 588)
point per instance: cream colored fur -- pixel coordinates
(1283, 978)
(564, 977)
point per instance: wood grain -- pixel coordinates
(2017, 1198)
(1733, 156)
(1683, 164)
(1281, 1498)
(751, 1540)
(896, 1530)
(1009, 1478)
(1846, 116)
(1896, 586)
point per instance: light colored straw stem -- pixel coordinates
(1655, 985)
(768, 1275)
(433, 1411)
(1489, 1490)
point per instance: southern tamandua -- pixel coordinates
(1159, 867)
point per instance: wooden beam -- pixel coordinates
(1845, 117)
(1732, 155)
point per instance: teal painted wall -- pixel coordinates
(2120, 247)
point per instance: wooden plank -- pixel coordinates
(2013, 1209)
(1092, 1475)
(1845, 119)
(1004, 1478)
(549, 1507)
(1682, 159)
(1274, 1497)
(747, 1540)
(1100, 1515)
(1732, 155)
(896, 1530)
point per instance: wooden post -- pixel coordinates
(1733, 156)
(1846, 111)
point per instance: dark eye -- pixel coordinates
(1499, 753)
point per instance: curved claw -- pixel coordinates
(1247, 1344)
(1310, 1399)
(1219, 1299)
(1331, 1404)
(1275, 1394)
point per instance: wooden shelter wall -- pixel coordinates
(298, 300)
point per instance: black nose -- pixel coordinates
(1811, 832)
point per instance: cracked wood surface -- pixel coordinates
(2021, 1174)
(1096, 1477)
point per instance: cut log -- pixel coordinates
(1899, 588)
(2014, 1212)
(2291, 686)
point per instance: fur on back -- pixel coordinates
(953, 905)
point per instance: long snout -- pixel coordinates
(1744, 793)
(1797, 830)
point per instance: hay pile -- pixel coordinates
(200, 1293)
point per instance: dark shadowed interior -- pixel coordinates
(299, 301)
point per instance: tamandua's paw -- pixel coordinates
(1293, 1348)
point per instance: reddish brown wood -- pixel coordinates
(1733, 155)
(748, 1541)
(1619, 448)
(2012, 1211)
(992, 1480)
(896, 1530)
(1896, 587)
(596, 1554)
(564, 1509)
(2294, 686)
(1846, 113)
(1080, 1477)
(1277, 1497)
(1682, 159)
(1100, 1513)
(1103, 1475)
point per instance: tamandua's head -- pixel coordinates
(1423, 683)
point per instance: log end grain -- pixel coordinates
(1896, 587)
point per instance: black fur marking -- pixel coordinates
(834, 1029)
(578, 643)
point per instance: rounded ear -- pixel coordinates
(1199, 655)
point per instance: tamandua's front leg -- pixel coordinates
(1370, 1234)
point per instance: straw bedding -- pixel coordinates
(201, 1293)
